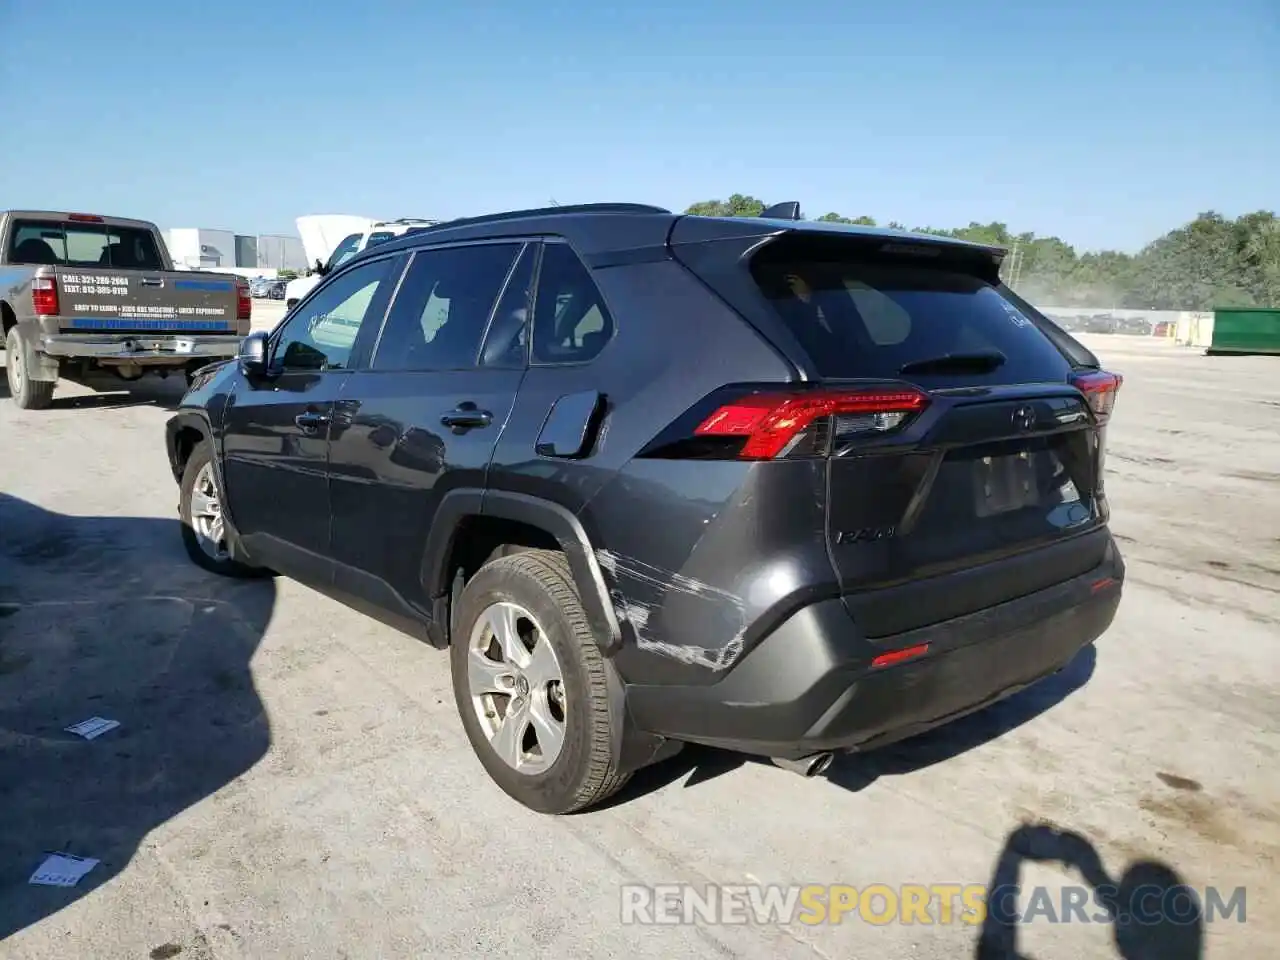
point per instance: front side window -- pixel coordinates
(571, 323)
(76, 244)
(443, 307)
(321, 334)
(382, 236)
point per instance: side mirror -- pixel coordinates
(253, 354)
(320, 269)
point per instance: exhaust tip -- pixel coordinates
(810, 766)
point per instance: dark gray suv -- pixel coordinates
(782, 487)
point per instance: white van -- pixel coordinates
(374, 233)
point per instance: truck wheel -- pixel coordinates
(200, 508)
(531, 686)
(26, 393)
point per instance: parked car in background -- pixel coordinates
(348, 247)
(783, 487)
(259, 287)
(81, 292)
(276, 289)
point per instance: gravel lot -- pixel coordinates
(291, 779)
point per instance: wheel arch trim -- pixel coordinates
(556, 520)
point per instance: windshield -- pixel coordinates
(345, 250)
(74, 244)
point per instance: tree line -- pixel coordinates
(1212, 261)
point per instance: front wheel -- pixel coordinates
(533, 690)
(200, 505)
(28, 394)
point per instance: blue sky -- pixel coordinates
(1106, 122)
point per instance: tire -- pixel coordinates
(221, 563)
(28, 394)
(585, 769)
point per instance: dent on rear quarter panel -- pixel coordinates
(659, 529)
(700, 555)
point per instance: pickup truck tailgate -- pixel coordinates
(107, 300)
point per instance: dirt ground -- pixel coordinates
(291, 779)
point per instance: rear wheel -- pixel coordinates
(531, 686)
(204, 531)
(26, 393)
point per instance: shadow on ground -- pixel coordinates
(110, 392)
(1153, 915)
(857, 771)
(106, 616)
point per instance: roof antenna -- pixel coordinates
(782, 211)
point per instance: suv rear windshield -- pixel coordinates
(75, 244)
(868, 315)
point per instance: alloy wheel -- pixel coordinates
(516, 687)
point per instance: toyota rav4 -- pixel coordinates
(782, 487)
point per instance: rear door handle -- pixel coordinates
(152, 281)
(466, 416)
(310, 421)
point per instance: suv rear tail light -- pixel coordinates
(774, 425)
(44, 296)
(1099, 388)
(244, 302)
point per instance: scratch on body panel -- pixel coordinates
(669, 583)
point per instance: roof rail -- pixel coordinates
(551, 211)
(405, 220)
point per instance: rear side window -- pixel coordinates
(571, 324)
(872, 316)
(75, 244)
(382, 236)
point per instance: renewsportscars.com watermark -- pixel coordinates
(930, 904)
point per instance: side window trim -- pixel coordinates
(547, 242)
(273, 339)
(532, 248)
(362, 350)
(368, 365)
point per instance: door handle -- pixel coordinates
(466, 416)
(152, 281)
(310, 421)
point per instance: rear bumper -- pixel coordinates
(810, 686)
(141, 348)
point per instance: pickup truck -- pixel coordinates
(82, 292)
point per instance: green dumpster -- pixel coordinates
(1246, 330)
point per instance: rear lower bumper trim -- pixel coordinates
(810, 685)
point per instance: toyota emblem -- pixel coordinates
(1024, 418)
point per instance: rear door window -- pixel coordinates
(443, 307)
(872, 316)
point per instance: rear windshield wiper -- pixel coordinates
(978, 362)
